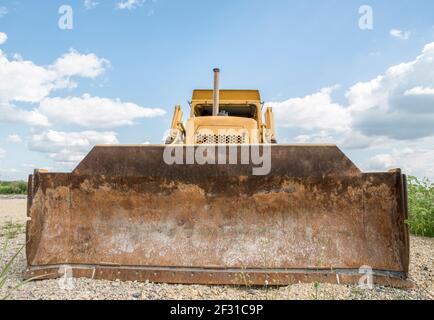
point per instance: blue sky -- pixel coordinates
(142, 58)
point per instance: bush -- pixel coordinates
(13, 187)
(421, 207)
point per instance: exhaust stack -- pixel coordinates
(216, 100)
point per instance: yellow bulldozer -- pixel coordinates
(220, 203)
(223, 117)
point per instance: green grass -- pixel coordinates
(421, 207)
(13, 187)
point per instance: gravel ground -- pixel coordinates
(13, 208)
(421, 274)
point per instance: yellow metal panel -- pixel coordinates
(251, 95)
(269, 122)
(222, 125)
(177, 117)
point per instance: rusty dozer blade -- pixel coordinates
(126, 214)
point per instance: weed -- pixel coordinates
(316, 286)
(244, 277)
(421, 207)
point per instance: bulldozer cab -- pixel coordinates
(223, 117)
(237, 120)
(234, 103)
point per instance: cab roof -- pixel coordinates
(242, 95)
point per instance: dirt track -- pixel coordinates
(13, 217)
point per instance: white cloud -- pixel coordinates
(419, 91)
(396, 104)
(2, 153)
(90, 4)
(12, 174)
(381, 162)
(354, 139)
(316, 111)
(320, 137)
(29, 165)
(403, 35)
(11, 114)
(69, 147)
(14, 138)
(83, 65)
(24, 81)
(387, 117)
(414, 157)
(3, 37)
(95, 112)
(27, 82)
(129, 4)
(3, 11)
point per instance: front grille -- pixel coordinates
(220, 139)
